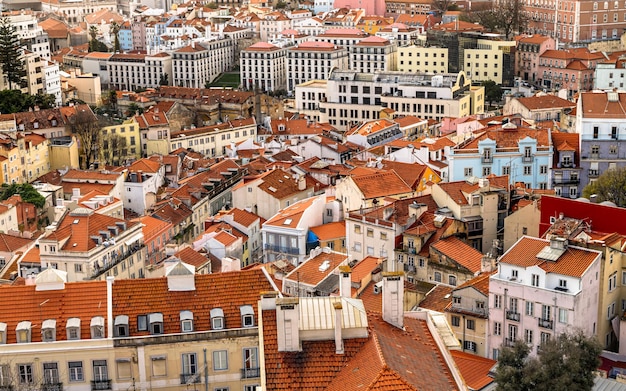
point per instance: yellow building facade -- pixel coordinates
(421, 59)
(120, 142)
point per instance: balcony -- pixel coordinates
(509, 342)
(189, 378)
(594, 173)
(409, 268)
(567, 181)
(545, 323)
(527, 159)
(279, 249)
(566, 164)
(510, 315)
(410, 250)
(486, 159)
(52, 386)
(116, 259)
(100, 385)
(250, 373)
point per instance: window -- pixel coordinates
(497, 301)
(545, 312)
(506, 170)
(156, 323)
(535, 280)
(471, 324)
(512, 332)
(452, 280)
(357, 229)
(513, 305)
(23, 332)
(437, 277)
(528, 170)
(612, 281)
(456, 320)
(25, 373)
(543, 169)
(562, 315)
(100, 371)
(217, 319)
(497, 328)
(247, 315)
(75, 371)
(530, 308)
(486, 171)
(189, 367)
(563, 284)
(51, 373)
(456, 299)
(220, 360)
(469, 345)
(121, 326)
(97, 327)
(528, 336)
(545, 337)
(595, 132)
(468, 171)
(186, 321)
(48, 330)
(159, 367)
(142, 323)
(251, 362)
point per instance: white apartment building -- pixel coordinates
(74, 11)
(31, 34)
(213, 140)
(344, 37)
(419, 59)
(263, 66)
(373, 54)
(353, 97)
(96, 64)
(198, 63)
(542, 288)
(313, 60)
(308, 96)
(311, 26)
(272, 24)
(399, 33)
(52, 81)
(131, 71)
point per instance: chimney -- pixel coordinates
(110, 280)
(338, 326)
(393, 298)
(301, 183)
(287, 324)
(345, 281)
(268, 300)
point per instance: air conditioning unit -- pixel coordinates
(378, 288)
(552, 219)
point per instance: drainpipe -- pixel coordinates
(110, 280)
(463, 332)
(206, 371)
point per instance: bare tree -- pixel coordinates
(114, 149)
(441, 6)
(85, 125)
(504, 16)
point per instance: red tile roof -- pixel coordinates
(329, 231)
(310, 271)
(474, 369)
(574, 261)
(381, 184)
(458, 251)
(438, 299)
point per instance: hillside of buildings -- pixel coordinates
(307, 195)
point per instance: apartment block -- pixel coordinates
(373, 54)
(418, 59)
(198, 63)
(313, 60)
(132, 71)
(263, 66)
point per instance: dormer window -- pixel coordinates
(49, 330)
(36, 125)
(97, 327)
(54, 122)
(3, 333)
(186, 321)
(156, 323)
(73, 328)
(22, 332)
(217, 319)
(120, 328)
(247, 316)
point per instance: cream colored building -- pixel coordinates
(198, 63)
(23, 157)
(213, 140)
(128, 71)
(308, 95)
(419, 59)
(373, 54)
(120, 142)
(60, 339)
(63, 153)
(486, 62)
(313, 60)
(33, 64)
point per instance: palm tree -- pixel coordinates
(115, 29)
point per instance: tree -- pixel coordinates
(14, 101)
(85, 125)
(566, 362)
(493, 91)
(11, 54)
(505, 16)
(134, 109)
(114, 149)
(25, 190)
(94, 44)
(281, 5)
(610, 186)
(114, 30)
(441, 6)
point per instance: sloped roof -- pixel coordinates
(329, 231)
(460, 252)
(545, 102)
(438, 299)
(474, 369)
(381, 184)
(310, 271)
(574, 262)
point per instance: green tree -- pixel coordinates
(281, 5)
(493, 91)
(14, 101)
(11, 55)
(610, 186)
(25, 190)
(94, 44)
(134, 109)
(566, 362)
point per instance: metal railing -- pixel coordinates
(52, 387)
(510, 315)
(250, 373)
(189, 378)
(281, 249)
(545, 323)
(100, 385)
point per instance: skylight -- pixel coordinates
(287, 222)
(76, 221)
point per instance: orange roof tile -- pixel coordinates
(364, 268)
(381, 184)
(458, 251)
(310, 273)
(192, 257)
(474, 369)
(329, 231)
(438, 299)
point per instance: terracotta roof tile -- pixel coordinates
(380, 185)
(310, 271)
(438, 299)
(474, 369)
(329, 231)
(458, 251)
